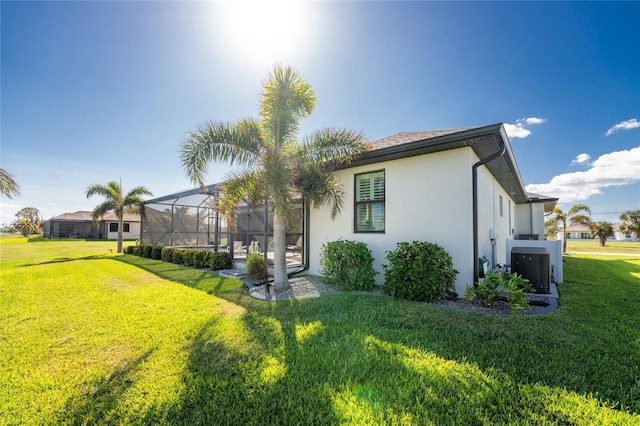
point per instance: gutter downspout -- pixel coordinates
(474, 171)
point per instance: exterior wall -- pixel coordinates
(530, 219)
(493, 222)
(621, 236)
(133, 234)
(428, 198)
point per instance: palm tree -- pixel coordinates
(132, 202)
(602, 230)
(26, 227)
(8, 186)
(271, 164)
(630, 222)
(575, 216)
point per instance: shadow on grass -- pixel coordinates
(101, 398)
(349, 358)
(67, 259)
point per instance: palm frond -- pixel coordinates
(239, 186)
(332, 146)
(237, 144)
(110, 191)
(285, 99)
(319, 187)
(8, 186)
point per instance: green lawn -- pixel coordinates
(91, 337)
(594, 246)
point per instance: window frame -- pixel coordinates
(372, 202)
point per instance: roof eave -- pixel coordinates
(503, 168)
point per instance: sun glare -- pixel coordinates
(264, 32)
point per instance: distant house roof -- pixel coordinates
(86, 216)
(127, 217)
(75, 216)
(578, 228)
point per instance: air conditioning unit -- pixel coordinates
(533, 264)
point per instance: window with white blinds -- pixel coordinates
(369, 202)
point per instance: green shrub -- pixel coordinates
(177, 256)
(156, 252)
(128, 250)
(188, 257)
(419, 271)
(347, 265)
(256, 266)
(146, 251)
(137, 250)
(495, 286)
(219, 260)
(200, 258)
(167, 254)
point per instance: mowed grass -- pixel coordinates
(593, 246)
(91, 337)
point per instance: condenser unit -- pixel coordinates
(533, 264)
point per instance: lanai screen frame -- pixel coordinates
(189, 219)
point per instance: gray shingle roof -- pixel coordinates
(407, 137)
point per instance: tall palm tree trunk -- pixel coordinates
(120, 224)
(280, 279)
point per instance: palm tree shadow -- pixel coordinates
(66, 259)
(101, 398)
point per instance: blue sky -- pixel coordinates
(99, 91)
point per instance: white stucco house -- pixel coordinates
(459, 188)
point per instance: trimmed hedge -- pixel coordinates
(219, 260)
(187, 257)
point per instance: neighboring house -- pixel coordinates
(576, 232)
(80, 225)
(459, 188)
(623, 236)
(582, 232)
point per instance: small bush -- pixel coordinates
(146, 251)
(419, 271)
(128, 250)
(137, 250)
(219, 260)
(495, 286)
(177, 256)
(256, 266)
(167, 254)
(347, 265)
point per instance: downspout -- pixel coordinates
(474, 171)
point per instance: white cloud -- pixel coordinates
(518, 129)
(624, 125)
(535, 120)
(581, 158)
(612, 169)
